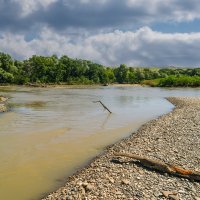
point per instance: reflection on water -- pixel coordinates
(50, 132)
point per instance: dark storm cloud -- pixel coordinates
(94, 15)
(9, 14)
(61, 15)
(114, 14)
(11, 18)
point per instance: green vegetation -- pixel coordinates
(180, 81)
(65, 70)
(174, 81)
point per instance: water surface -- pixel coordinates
(51, 132)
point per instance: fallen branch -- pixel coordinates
(102, 105)
(163, 167)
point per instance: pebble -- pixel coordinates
(111, 180)
(125, 181)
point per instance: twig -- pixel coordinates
(102, 105)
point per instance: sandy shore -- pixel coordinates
(172, 138)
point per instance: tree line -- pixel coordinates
(65, 70)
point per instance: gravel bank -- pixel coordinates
(172, 138)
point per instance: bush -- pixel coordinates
(180, 81)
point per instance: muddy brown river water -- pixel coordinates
(51, 132)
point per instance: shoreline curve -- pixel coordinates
(173, 138)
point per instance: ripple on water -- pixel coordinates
(50, 132)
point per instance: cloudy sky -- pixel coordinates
(110, 32)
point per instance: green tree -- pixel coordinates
(139, 75)
(110, 75)
(131, 76)
(121, 74)
(6, 77)
(7, 63)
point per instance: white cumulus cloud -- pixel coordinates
(143, 47)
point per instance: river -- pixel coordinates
(49, 133)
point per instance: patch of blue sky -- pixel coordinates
(177, 27)
(30, 36)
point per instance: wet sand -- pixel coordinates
(172, 138)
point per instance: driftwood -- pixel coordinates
(102, 105)
(163, 167)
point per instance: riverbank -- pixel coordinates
(3, 107)
(70, 85)
(172, 138)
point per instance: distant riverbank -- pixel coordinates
(173, 138)
(160, 83)
(70, 85)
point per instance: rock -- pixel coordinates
(3, 108)
(167, 193)
(82, 191)
(79, 183)
(88, 187)
(171, 195)
(3, 99)
(157, 194)
(111, 180)
(118, 193)
(181, 191)
(193, 189)
(174, 197)
(126, 181)
(84, 184)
